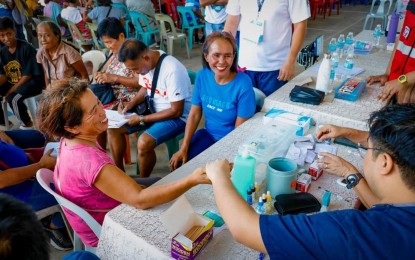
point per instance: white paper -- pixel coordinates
(327, 148)
(54, 146)
(115, 119)
(311, 155)
(297, 154)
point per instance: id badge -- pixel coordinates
(255, 31)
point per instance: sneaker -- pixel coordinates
(3, 126)
(59, 239)
(26, 127)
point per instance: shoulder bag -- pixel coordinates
(147, 107)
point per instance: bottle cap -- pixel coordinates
(325, 201)
(245, 152)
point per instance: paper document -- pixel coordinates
(54, 146)
(115, 119)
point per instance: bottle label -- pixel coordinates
(332, 48)
(335, 64)
(349, 41)
(348, 64)
(340, 44)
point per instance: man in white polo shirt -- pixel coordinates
(268, 46)
(215, 15)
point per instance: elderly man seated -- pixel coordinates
(384, 230)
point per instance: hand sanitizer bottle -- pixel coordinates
(243, 172)
(325, 201)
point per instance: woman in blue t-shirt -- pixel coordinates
(224, 95)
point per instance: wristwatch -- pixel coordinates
(142, 120)
(353, 179)
(403, 79)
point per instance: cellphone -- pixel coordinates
(344, 141)
(218, 220)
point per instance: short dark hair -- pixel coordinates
(131, 49)
(392, 130)
(6, 23)
(53, 26)
(21, 234)
(60, 107)
(110, 27)
(72, 1)
(104, 2)
(220, 35)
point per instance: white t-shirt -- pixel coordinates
(271, 53)
(173, 85)
(71, 14)
(215, 14)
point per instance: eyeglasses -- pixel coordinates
(363, 150)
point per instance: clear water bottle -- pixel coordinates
(332, 45)
(335, 60)
(349, 38)
(377, 34)
(349, 62)
(340, 44)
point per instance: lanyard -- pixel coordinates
(260, 3)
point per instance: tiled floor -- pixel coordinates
(351, 18)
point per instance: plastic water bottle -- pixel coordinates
(340, 44)
(332, 45)
(377, 34)
(349, 41)
(349, 62)
(335, 60)
(349, 38)
(323, 77)
(243, 173)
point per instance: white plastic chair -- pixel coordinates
(380, 13)
(45, 179)
(31, 104)
(259, 98)
(170, 36)
(96, 58)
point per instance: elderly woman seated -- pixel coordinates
(86, 175)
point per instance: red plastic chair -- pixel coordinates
(331, 3)
(171, 7)
(320, 5)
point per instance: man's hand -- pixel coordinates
(329, 131)
(391, 87)
(180, 157)
(133, 120)
(48, 161)
(287, 71)
(336, 165)
(377, 79)
(218, 169)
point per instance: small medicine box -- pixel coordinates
(350, 89)
(191, 232)
(303, 123)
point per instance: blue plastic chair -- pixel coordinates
(186, 25)
(140, 33)
(127, 18)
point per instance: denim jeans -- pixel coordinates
(266, 81)
(212, 27)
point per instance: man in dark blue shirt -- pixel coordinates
(384, 231)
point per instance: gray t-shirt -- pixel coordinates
(99, 13)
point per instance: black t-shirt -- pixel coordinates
(21, 63)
